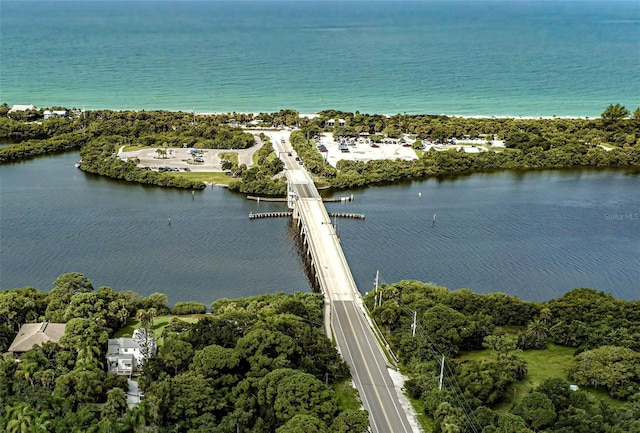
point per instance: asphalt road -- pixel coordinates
(360, 350)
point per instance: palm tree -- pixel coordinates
(537, 329)
(545, 314)
(27, 370)
(146, 324)
(22, 418)
(87, 358)
(613, 113)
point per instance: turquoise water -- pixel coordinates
(518, 58)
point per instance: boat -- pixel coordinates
(78, 163)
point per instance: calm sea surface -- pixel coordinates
(517, 58)
(534, 235)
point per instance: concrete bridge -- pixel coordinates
(345, 318)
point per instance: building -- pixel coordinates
(34, 334)
(331, 122)
(125, 356)
(16, 108)
(48, 114)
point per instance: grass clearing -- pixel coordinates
(133, 148)
(205, 176)
(541, 364)
(229, 156)
(159, 323)
(347, 395)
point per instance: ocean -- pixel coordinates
(468, 58)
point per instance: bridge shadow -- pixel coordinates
(304, 258)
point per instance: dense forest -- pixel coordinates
(261, 364)
(475, 363)
(613, 140)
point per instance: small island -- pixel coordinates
(340, 149)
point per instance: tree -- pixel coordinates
(510, 423)
(303, 423)
(27, 370)
(146, 330)
(558, 391)
(536, 409)
(217, 363)
(614, 113)
(23, 418)
(80, 333)
(351, 421)
(266, 350)
(116, 404)
(182, 308)
(185, 402)
(64, 288)
(447, 328)
(284, 393)
(159, 301)
(302, 393)
(176, 354)
(615, 368)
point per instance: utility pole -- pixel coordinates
(441, 374)
(413, 326)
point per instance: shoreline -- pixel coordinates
(312, 115)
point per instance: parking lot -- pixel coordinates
(361, 150)
(182, 159)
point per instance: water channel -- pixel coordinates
(531, 234)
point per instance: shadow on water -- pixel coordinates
(304, 258)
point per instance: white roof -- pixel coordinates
(21, 108)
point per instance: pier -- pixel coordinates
(253, 216)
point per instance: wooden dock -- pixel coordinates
(359, 216)
(253, 216)
(283, 199)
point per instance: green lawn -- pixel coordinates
(159, 323)
(347, 395)
(229, 156)
(209, 177)
(133, 148)
(541, 364)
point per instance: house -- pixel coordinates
(16, 108)
(330, 123)
(48, 114)
(125, 356)
(342, 122)
(33, 334)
